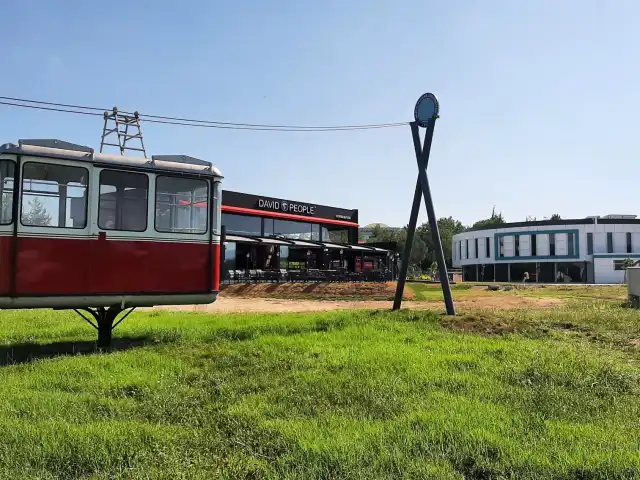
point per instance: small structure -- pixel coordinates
(633, 286)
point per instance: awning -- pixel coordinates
(274, 241)
(239, 239)
(300, 243)
(335, 246)
(358, 247)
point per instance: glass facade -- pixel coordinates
(247, 256)
(292, 229)
(242, 224)
(229, 256)
(336, 234)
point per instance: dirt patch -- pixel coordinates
(233, 304)
(478, 324)
(507, 302)
(319, 291)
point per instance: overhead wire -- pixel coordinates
(161, 119)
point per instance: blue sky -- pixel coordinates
(538, 99)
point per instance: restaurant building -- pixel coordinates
(266, 233)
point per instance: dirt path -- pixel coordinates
(271, 305)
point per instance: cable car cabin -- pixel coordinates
(102, 233)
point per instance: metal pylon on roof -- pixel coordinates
(126, 127)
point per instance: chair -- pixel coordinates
(284, 275)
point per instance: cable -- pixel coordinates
(187, 124)
(49, 108)
(78, 109)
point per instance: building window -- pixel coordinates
(54, 195)
(242, 224)
(488, 247)
(467, 248)
(534, 245)
(552, 244)
(181, 205)
(336, 234)
(589, 243)
(501, 251)
(619, 264)
(629, 243)
(460, 249)
(123, 201)
(291, 229)
(571, 244)
(609, 242)
(476, 251)
(7, 175)
(516, 242)
(229, 256)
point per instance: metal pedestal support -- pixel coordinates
(423, 190)
(104, 321)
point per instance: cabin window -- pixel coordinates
(54, 195)
(181, 205)
(7, 175)
(123, 201)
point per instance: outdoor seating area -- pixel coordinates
(306, 275)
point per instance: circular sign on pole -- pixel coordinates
(427, 108)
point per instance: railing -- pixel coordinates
(308, 275)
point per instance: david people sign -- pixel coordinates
(286, 207)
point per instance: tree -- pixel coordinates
(383, 234)
(418, 249)
(36, 214)
(493, 221)
(626, 263)
(448, 227)
(530, 218)
(555, 216)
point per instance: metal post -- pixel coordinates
(413, 220)
(433, 221)
(425, 113)
(223, 251)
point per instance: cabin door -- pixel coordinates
(53, 251)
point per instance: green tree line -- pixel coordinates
(422, 251)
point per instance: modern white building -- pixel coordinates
(587, 250)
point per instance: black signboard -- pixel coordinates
(289, 207)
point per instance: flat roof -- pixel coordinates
(566, 221)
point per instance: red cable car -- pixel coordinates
(101, 233)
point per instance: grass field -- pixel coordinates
(529, 394)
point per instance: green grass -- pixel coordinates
(528, 395)
(433, 292)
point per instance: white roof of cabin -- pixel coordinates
(70, 151)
